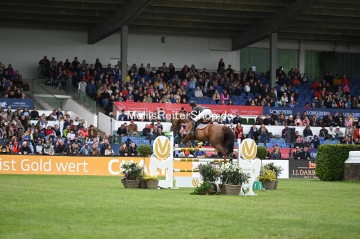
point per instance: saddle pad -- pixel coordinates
(202, 126)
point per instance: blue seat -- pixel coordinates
(269, 145)
(261, 144)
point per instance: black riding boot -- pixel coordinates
(194, 128)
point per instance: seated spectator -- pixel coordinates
(4, 149)
(109, 151)
(356, 136)
(253, 133)
(290, 121)
(132, 129)
(307, 142)
(338, 133)
(123, 150)
(92, 132)
(94, 148)
(69, 150)
(305, 154)
(85, 150)
(324, 133)
(132, 149)
(315, 142)
(239, 131)
(299, 143)
(307, 132)
(349, 131)
(25, 149)
(48, 148)
(346, 140)
(198, 93)
(276, 154)
(259, 120)
(297, 153)
(331, 132)
(263, 133)
(15, 149)
(59, 146)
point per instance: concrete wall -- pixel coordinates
(24, 48)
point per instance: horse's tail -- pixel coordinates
(229, 139)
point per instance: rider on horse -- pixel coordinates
(199, 113)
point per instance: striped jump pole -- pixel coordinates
(181, 170)
(196, 149)
(217, 160)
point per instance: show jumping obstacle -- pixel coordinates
(167, 160)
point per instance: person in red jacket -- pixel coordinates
(345, 80)
(87, 76)
(356, 136)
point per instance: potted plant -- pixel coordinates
(151, 182)
(144, 151)
(208, 172)
(277, 169)
(268, 178)
(142, 184)
(206, 188)
(232, 176)
(261, 152)
(132, 172)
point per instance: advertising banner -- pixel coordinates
(15, 103)
(74, 165)
(302, 169)
(175, 108)
(319, 112)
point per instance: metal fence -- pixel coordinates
(45, 95)
(81, 98)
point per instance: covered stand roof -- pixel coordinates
(246, 21)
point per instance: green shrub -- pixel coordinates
(204, 189)
(208, 172)
(330, 161)
(267, 176)
(261, 152)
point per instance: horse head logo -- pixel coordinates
(3, 104)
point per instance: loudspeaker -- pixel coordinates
(290, 136)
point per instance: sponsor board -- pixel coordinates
(302, 169)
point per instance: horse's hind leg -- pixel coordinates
(222, 149)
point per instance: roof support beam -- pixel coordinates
(182, 31)
(213, 5)
(315, 37)
(55, 11)
(197, 18)
(270, 25)
(207, 12)
(63, 5)
(113, 24)
(244, 2)
(189, 24)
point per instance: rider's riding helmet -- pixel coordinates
(192, 104)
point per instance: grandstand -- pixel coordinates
(312, 70)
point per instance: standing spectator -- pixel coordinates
(221, 65)
(122, 116)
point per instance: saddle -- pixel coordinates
(203, 124)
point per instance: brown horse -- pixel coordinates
(220, 137)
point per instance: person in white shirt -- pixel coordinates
(332, 132)
(198, 93)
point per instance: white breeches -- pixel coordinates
(205, 114)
